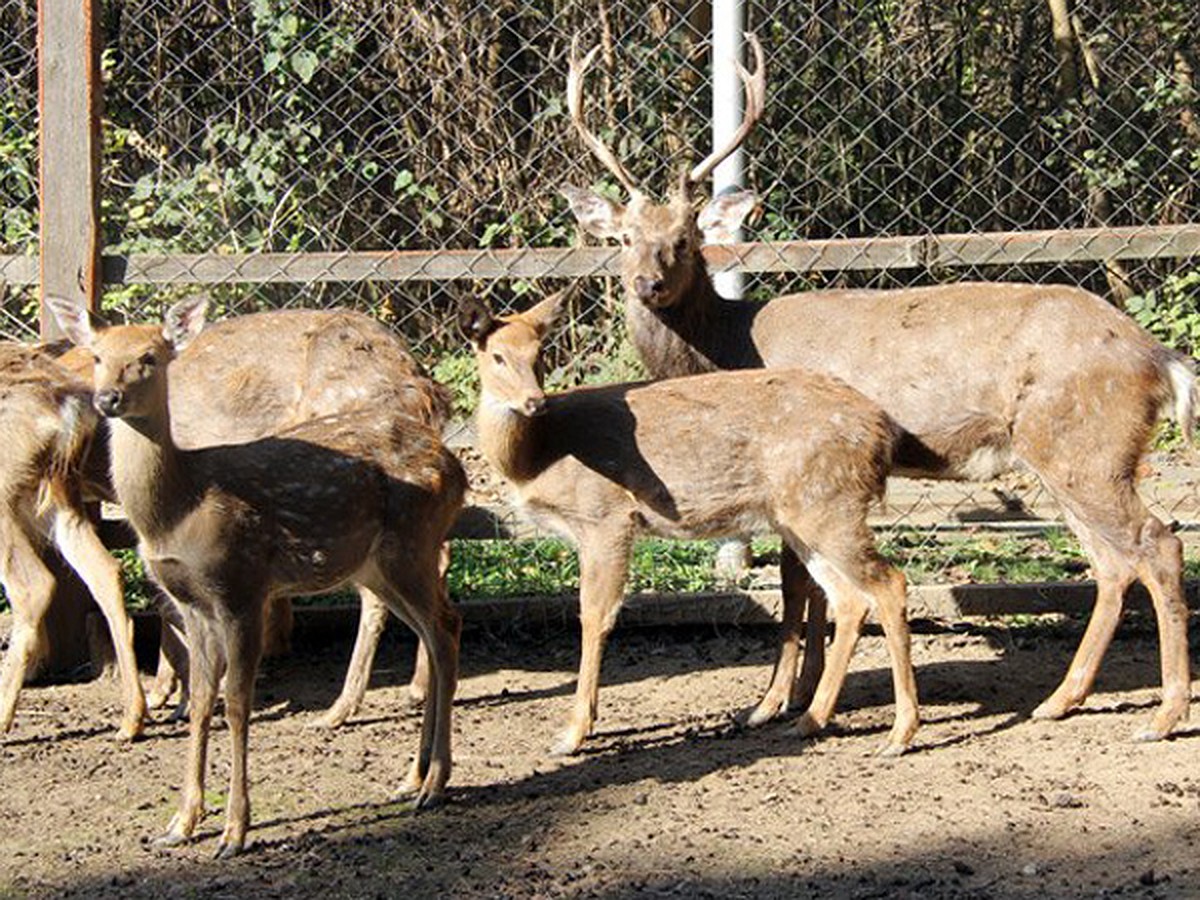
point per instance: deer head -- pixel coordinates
(508, 352)
(660, 256)
(130, 362)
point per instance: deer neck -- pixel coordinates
(684, 338)
(510, 442)
(148, 473)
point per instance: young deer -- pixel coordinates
(695, 458)
(361, 497)
(50, 429)
(322, 362)
(981, 377)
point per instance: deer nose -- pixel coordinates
(108, 401)
(647, 288)
(535, 405)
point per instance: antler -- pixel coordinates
(575, 106)
(756, 100)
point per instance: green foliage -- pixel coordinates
(1171, 312)
(18, 179)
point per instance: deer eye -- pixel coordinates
(148, 360)
(498, 360)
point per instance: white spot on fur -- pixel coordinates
(1183, 387)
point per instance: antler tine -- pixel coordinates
(575, 106)
(756, 100)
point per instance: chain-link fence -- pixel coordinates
(238, 129)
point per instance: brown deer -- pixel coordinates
(695, 458)
(359, 497)
(50, 430)
(981, 377)
(224, 391)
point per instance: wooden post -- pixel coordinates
(69, 96)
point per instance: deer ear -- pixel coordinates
(73, 318)
(724, 214)
(185, 320)
(475, 320)
(545, 313)
(597, 215)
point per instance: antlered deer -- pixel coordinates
(359, 497)
(981, 377)
(695, 457)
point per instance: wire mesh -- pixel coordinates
(277, 126)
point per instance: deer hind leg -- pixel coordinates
(1124, 543)
(172, 661)
(418, 687)
(206, 665)
(87, 555)
(415, 593)
(603, 570)
(30, 588)
(243, 650)
(855, 582)
(372, 619)
(784, 692)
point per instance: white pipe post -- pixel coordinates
(728, 23)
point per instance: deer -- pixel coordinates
(224, 391)
(696, 457)
(322, 362)
(982, 377)
(46, 477)
(357, 497)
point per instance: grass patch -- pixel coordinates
(490, 569)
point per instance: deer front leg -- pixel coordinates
(205, 666)
(243, 649)
(602, 574)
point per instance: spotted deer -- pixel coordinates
(981, 377)
(695, 457)
(47, 472)
(224, 391)
(359, 497)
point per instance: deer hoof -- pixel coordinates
(807, 726)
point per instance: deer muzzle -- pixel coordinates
(108, 402)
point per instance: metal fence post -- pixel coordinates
(728, 23)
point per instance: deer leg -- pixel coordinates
(243, 648)
(372, 619)
(81, 547)
(172, 661)
(418, 688)
(890, 606)
(602, 575)
(425, 607)
(1161, 571)
(205, 665)
(30, 588)
(799, 591)
(1106, 615)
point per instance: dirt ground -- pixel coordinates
(670, 798)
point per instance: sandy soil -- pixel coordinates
(670, 798)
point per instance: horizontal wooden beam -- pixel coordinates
(834, 255)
